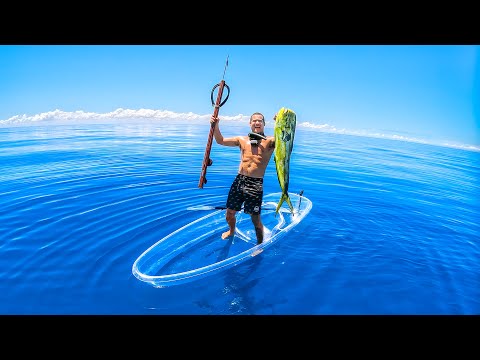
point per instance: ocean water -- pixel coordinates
(393, 228)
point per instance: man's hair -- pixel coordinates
(258, 113)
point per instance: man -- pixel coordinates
(247, 189)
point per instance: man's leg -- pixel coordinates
(231, 221)
(257, 223)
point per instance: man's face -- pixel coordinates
(256, 124)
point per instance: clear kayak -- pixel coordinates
(197, 249)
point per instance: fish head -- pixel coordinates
(284, 118)
(285, 123)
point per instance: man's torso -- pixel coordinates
(255, 158)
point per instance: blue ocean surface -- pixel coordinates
(393, 228)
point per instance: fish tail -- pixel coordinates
(289, 202)
(286, 198)
(280, 202)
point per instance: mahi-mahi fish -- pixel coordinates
(284, 133)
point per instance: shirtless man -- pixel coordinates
(247, 187)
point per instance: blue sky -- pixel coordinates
(420, 91)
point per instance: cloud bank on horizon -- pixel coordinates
(59, 116)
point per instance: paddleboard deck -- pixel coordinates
(197, 249)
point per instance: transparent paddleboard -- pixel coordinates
(197, 249)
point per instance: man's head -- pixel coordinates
(257, 123)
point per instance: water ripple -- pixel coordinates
(393, 228)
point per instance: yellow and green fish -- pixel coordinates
(284, 133)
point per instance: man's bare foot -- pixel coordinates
(227, 234)
(256, 252)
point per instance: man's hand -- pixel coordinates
(214, 119)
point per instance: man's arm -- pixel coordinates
(233, 141)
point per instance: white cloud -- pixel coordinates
(121, 115)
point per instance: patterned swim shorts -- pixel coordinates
(248, 190)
